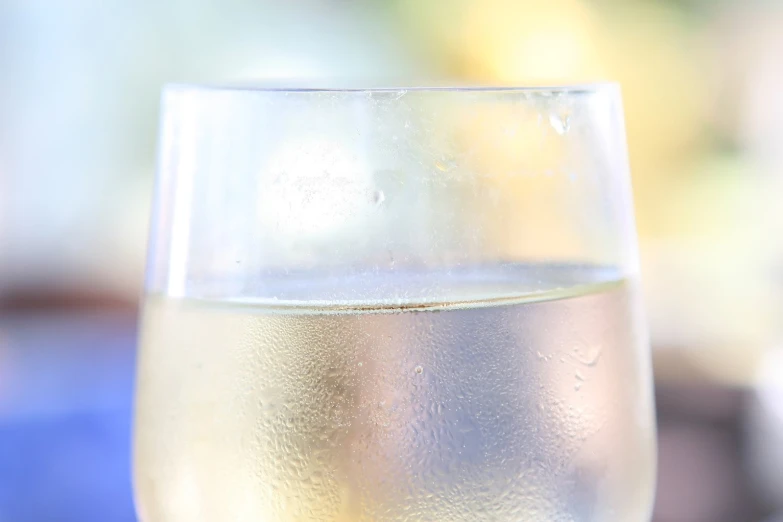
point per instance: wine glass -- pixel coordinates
(393, 305)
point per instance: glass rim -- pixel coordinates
(565, 89)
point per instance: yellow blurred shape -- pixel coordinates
(646, 47)
(663, 72)
(530, 42)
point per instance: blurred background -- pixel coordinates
(79, 88)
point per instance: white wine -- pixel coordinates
(480, 408)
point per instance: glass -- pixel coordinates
(393, 304)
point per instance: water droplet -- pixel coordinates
(419, 369)
(577, 386)
(579, 376)
(445, 164)
(378, 197)
(590, 357)
(593, 356)
(360, 365)
(561, 123)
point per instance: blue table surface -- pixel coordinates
(66, 384)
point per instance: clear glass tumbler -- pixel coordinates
(393, 305)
